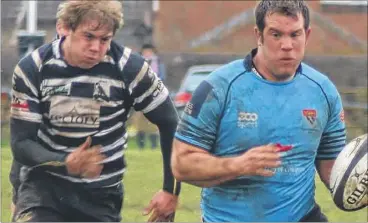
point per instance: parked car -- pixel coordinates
(5, 105)
(193, 77)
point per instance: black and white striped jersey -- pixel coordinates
(71, 103)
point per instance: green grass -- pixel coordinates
(144, 177)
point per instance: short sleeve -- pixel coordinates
(25, 98)
(201, 116)
(147, 89)
(334, 135)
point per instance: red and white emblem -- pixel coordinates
(342, 116)
(311, 116)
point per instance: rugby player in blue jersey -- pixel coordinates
(256, 129)
(71, 101)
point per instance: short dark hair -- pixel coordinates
(285, 7)
(148, 46)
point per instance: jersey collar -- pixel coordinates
(248, 62)
(56, 47)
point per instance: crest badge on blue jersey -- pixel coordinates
(310, 116)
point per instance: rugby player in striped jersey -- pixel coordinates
(71, 101)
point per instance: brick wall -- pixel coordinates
(355, 22)
(178, 22)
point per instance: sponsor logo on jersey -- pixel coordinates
(247, 120)
(188, 108)
(81, 113)
(19, 104)
(199, 97)
(159, 88)
(56, 90)
(74, 117)
(99, 92)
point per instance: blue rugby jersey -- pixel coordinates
(71, 103)
(234, 110)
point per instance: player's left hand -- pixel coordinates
(162, 207)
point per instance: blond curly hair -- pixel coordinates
(74, 13)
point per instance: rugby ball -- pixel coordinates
(349, 176)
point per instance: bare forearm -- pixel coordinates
(209, 183)
(324, 168)
(201, 168)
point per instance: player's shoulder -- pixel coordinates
(318, 78)
(128, 62)
(224, 75)
(124, 55)
(46, 51)
(39, 55)
(312, 73)
(31, 64)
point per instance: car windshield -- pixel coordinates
(193, 80)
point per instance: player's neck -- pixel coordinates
(67, 55)
(261, 69)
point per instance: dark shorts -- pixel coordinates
(315, 215)
(14, 178)
(45, 198)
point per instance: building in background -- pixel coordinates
(339, 27)
(14, 19)
(223, 31)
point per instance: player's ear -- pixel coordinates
(258, 35)
(307, 34)
(62, 29)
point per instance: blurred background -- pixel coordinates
(191, 34)
(187, 33)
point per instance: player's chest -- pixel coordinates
(277, 118)
(81, 100)
(84, 86)
(297, 113)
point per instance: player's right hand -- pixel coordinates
(258, 161)
(85, 160)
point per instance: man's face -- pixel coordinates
(283, 44)
(88, 43)
(148, 53)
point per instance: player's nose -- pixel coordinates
(94, 46)
(286, 44)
